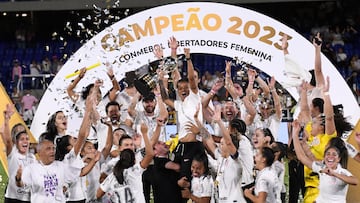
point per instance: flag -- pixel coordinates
(15, 118)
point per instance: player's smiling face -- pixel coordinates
(183, 90)
(332, 158)
(197, 168)
(23, 143)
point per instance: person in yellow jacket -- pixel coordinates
(319, 129)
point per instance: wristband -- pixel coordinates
(326, 94)
(187, 59)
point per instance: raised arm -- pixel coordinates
(85, 124)
(319, 77)
(305, 115)
(109, 140)
(224, 130)
(275, 97)
(5, 132)
(165, 95)
(264, 87)
(149, 152)
(190, 71)
(173, 46)
(297, 146)
(116, 87)
(328, 110)
(70, 89)
(208, 97)
(207, 139)
(134, 101)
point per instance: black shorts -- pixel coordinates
(184, 154)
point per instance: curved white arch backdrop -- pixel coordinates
(203, 27)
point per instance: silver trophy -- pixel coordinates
(147, 77)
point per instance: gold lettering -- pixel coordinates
(256, 30)
(125, 36)
(277, 44)
(139, 32)
(266, 38)
(207, 25)
(234, 29)
(105, 42)
(161, 23)
(193, 22)
(177, 22)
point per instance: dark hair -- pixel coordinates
(50, 126)
(46, 136)
(86, 91)
(239, 125)
(339, 145)
(119, 128)
(182, 80)
(313, 79)
(342, 125)
(268, 154)
(127, 160)
(319, 103)
(61, 147)
(235, 140)
(202, 158)
(267, 133)
(280, 147)
(112, 103)
(123, 138)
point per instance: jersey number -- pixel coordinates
(128, 197)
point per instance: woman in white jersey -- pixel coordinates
(334, 179)
(17, 151)
(124, 184)
(201, 182)
(227, 184)
(266, 188)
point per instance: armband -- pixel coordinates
(235, 156)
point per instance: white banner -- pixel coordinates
(212, 28)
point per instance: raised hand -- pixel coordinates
(228, 67)
(284, 43)
(82, 72)
(251, 74)
(272, 83)
(173, 43)
(317, 41)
